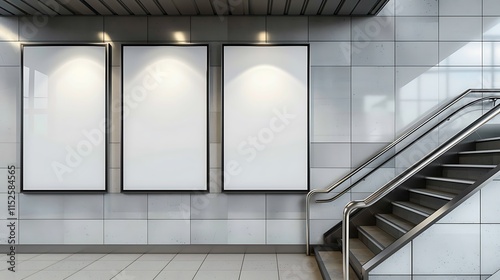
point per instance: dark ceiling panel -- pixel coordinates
(169, 7)
(312, 7)
(41, 7)
(99, 7)
(295, 7)
(185, 7)
(204, 7)
(347, 8)
(76, 7)
(11, 10)
(258, 7)
(237, 7)
(364, 7)
(190, 7)
(152, 7)
(330, 7)
(278, 7)
(117, 7)
(133, 6)
(23, 6)
(4, 12)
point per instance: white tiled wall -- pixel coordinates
(370, 78)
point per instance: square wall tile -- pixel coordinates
(10, 101)
(247, 206)
(285, 232)
(397, 264)
(125, 231)
(64, 207)
(460, 54)
(328, 155)
(460, 7)
(169, 206)
(169, 232)
(367, 29)
(285, 206)
(417, 53)
(10, 154)
(417, 29)
(322, 178)
(287, 29)
(491, 8)
(125, 206)
(10, 27)
(455, 80)
(169, 29)
(417, 8)
(436, 252)
(491, 54)
(67, 29)
(330, 82)
(125, 28)
(330, 54)
(490, 209)
(331, 120)
(330, 29)
(374, 181)
(460, 29)
(228, 232)
(10, 54)
(490, 246)
(374, 54)
(466, 213)
(209, 206)
(373, 104)
(246, 29)
(60, 232)
(362, 152)
(208, 28)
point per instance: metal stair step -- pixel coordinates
(359, 251)
(480, 157)
(488, 144)
(375, 238)
(449, 185)
(411, 212)
(434, 193)
(465, 171)
(393, 224)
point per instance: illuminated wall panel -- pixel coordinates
(165, 117)
(64, 117)
(265, 118)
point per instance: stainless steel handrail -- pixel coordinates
(405, 135)
(390, 186)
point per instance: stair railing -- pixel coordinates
(430, 117)
(408, 173)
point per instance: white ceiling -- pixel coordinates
(191, 7)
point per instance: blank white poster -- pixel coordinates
(165, 130)
(265, 118)
(64, 118)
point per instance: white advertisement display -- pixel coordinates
(164, 118)
(265, 118)
(64, 118)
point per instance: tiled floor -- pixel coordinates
(162, 267)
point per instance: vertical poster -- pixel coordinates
(64, 118)
(164, 118)
(265, 117)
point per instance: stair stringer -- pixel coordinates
(433, 219)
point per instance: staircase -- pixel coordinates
(375, 228)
